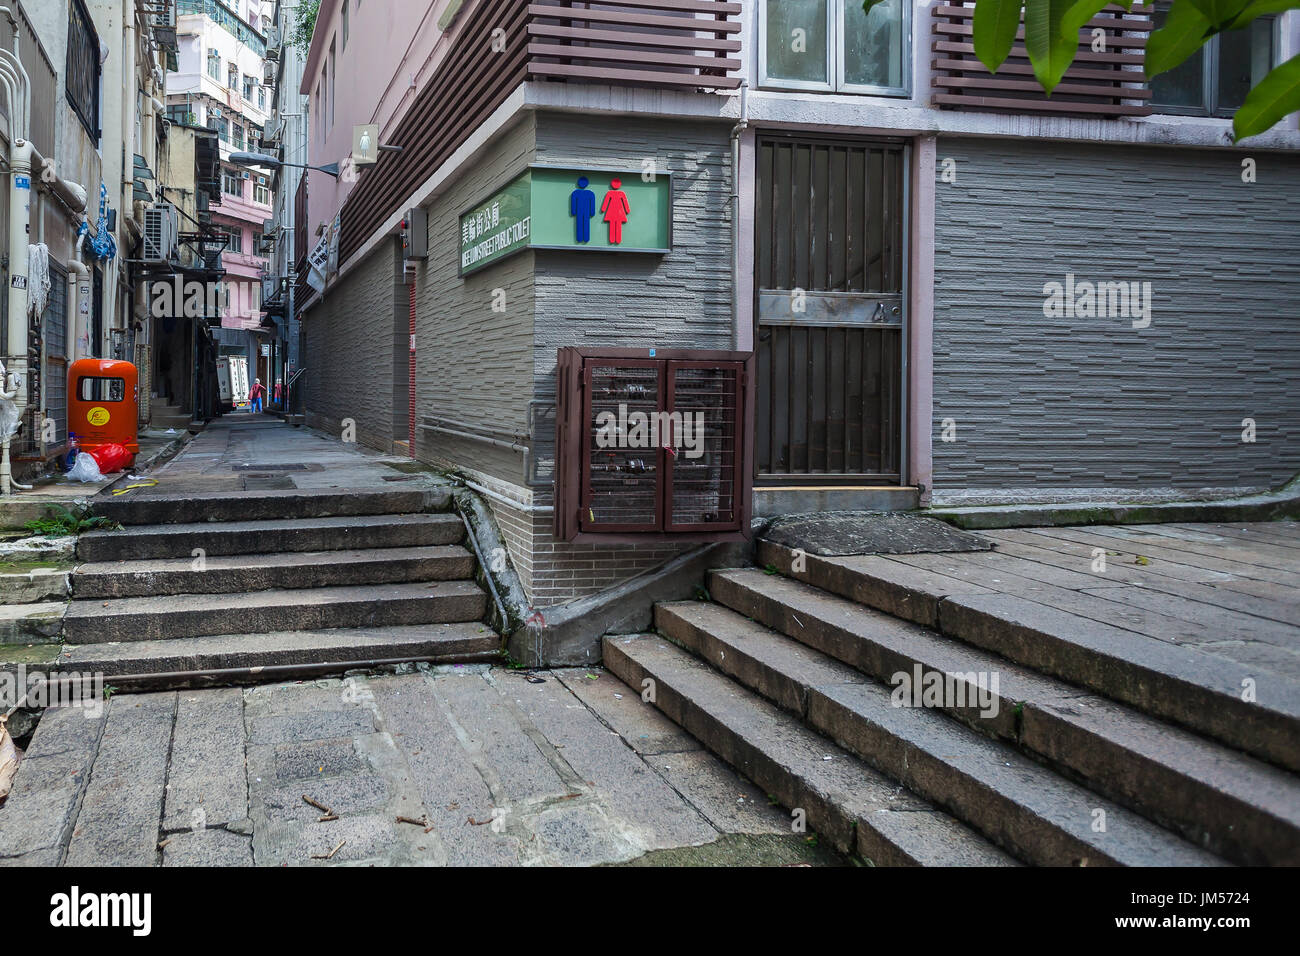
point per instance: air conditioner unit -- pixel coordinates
(268, 73)
(161, 226)
(245, 175)
(215, 112)
(273, 44)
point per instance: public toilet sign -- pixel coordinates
(588, 209)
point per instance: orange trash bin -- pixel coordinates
(104, 403)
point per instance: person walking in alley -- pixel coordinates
(255, 395)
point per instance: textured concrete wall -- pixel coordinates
(628, 300)
(631, 300)
(349, 352)
(474, 364)
(1092, 402)
(483, 367)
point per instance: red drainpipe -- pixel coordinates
(410, 416)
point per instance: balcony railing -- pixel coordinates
(662, 44)
(1105, 79)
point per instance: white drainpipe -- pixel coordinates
(79, 295)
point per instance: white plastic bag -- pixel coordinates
(85, 468)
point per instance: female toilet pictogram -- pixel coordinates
(616, 210)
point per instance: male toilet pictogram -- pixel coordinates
(582, 207)
(616, 210)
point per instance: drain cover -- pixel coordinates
(279, 467)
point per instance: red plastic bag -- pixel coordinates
(111, 457)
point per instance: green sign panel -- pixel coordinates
(579, 209)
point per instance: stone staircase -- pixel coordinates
(1079, 754)
(276, 579)
(168, 416)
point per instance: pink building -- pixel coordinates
(220, 84)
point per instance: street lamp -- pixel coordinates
(262, 159)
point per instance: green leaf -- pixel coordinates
(1218, 12)
(1276, 95)
(1081, 11)
(994, 30)
(1184, 32)
(1259, 8)
(1050, 51)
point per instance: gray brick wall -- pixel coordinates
(1093, 402)
(680, 300)
(474, 365)
(349, 352)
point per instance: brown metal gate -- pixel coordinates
(831, 311)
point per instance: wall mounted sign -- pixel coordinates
(545, 207)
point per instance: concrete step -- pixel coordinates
(1218, 798)
(198, 615)
(31, 623)
(35, 586)
(1031, 812)
(268, 505)
(259, 572)
(441, 643)
(844, 800)
(1174, 683)
(271, 536)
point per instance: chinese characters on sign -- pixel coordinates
(548, 208)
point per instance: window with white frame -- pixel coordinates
(1214, 81)
(232, 78)
(214, 65)
(232, 184)
(261, 191)
(834, 45)
(234, 239)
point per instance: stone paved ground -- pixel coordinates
(258, 452)
(572, 770)
(1231, 590)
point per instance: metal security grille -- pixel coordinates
(653, 446)
(622, 488)
(702, 470)
(830, 251)
(831, 401)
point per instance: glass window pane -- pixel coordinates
(1245, 56)
(1183, 87)
(796, 40)
(873, 44)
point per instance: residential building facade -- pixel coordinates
(82, 171)
(221, 83)
(948, 287)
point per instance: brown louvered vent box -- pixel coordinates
(653, 444)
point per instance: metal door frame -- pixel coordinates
(905, 295)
